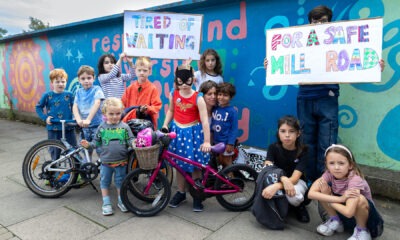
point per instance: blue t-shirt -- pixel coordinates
(85, 99)
(56, 105)
(224, 125)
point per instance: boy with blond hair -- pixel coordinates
(142, 93)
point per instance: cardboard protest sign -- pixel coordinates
(337, 52)
(162, 35)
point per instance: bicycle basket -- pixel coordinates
(147, 156)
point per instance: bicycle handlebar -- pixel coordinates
(69, 122)
(217, 148)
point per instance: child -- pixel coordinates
(210, 68)
(289, 154)
(344, 194)
(142, 93)
(188, 111)
(114, 138)
(111, 80)
(224, 123)
(87, 102)
(57, 105)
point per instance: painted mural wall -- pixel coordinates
(369, 113)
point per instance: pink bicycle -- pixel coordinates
(146, 192)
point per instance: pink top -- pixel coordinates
(353, 181)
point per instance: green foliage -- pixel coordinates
(3, 32)
(36, 24)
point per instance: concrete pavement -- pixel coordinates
(77, 215)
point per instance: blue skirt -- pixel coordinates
(187, 144)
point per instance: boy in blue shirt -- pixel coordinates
(57, 104)
(87, 103)
(224, 122)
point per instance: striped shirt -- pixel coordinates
(339, 186)
(112, 85)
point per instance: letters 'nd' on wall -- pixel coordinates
(368, 113)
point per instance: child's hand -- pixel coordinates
(324, 187)
(382, 64)
(48, 120)
(288, 186)
(122, 56)
(205, 147)
(85, 143)
(350, 193)
(86, 123)
(229, 148)
(270, 191)
(265, 63)
(188, 62)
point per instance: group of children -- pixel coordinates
(200, 118)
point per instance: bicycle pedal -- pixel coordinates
(198, 184)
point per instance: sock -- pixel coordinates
(335, 218)
(119, 199)
(106, 200)
(361, 229)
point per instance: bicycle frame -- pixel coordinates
(210, 190)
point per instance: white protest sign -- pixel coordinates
(337, 52)
(162, 35)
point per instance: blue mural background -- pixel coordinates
(369, 113)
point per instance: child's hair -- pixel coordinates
(112, 101)
(293, 122)
(58, 73)
(345, 152)
(86, 69)
(100, 64)
(143, 61)
(218, 65)
(228, 88)
(318, 12)
(207, 86)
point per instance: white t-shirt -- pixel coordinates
(200, 78)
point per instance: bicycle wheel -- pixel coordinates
(166, 168)
(47, 184)
(245, 178)
(132, 193)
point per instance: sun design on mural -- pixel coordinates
(26, 73)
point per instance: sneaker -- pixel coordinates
(107, 210)
(197, 205)
(360, 235)
(177, 199)
(122, 207)
(329, 227)
(302, 214)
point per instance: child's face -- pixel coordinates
(142, 73)
(59, 84)
(211, 97)
(323, 19)
(108, 64)
(86, 80)
(223, 99)
(210, 62)
(288, 136)
(338, 165)
(113, 114)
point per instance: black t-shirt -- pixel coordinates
(286, 159)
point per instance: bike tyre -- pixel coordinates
(132, 193)
(245, 177)
(33, 161)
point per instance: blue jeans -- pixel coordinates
(106, 173)
(69, 135)
(319, 121)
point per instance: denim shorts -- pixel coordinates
(106, 173)
(350, 223)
